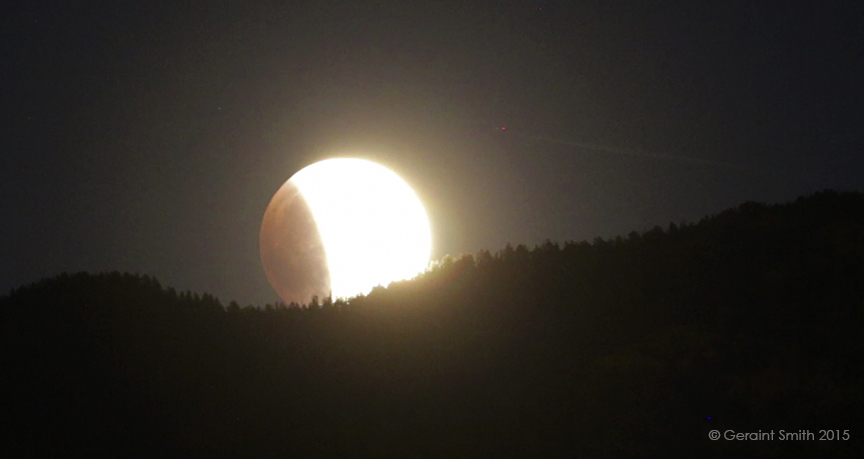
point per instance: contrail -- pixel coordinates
(630, 152)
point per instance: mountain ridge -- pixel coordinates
(746, 320)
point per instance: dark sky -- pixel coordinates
(150, 136)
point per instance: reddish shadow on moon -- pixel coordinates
(292, 252)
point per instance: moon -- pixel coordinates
(339, 228)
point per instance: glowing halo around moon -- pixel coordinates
(343, 226)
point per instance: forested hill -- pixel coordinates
(748, 320)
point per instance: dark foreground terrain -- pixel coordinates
(750, 320)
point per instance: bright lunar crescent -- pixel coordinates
(340, 227)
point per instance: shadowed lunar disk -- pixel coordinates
(340, 227)
(292, 252)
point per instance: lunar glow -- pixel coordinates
(343, 226)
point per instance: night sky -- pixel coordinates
(149, 137)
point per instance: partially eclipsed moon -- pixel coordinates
(341, 227)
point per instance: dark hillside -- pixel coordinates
(748, 320)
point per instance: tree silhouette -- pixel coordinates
(622, 347)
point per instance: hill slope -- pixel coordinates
(635, 347)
